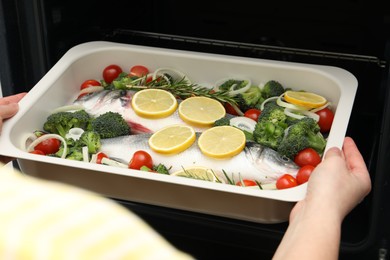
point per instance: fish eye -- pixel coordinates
(285, 158)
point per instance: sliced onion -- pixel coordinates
(68, 108)
(243, 123)
(233, 92)
(292, 113)
(114, 163)
(45, 137)
(174, 73)
(282, 103)
(75, 133)
(266, 101)
(85, 154)
(237, 109)
(91, 89)
(28, 139)
(320, 108)
(311, 115)
(93, 158)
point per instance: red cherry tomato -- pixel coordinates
(99, 157)
(286, 181)
(111, 72)
(304, 173)
(326, 119)
(139, 71)
(37, 152)
(307, 156)
(230, 109)
(253, 113)
(89, 83)
(48, 146)
(139, 159)
(149, 79)
(246, 183)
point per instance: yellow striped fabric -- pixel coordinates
(48, 220)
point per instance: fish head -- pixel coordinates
(270, 161)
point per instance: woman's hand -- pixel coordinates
(336, 186)
(8, 108)
(339, 183)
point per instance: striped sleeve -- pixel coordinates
(48, 220)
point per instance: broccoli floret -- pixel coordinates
(61, 122)
(268, 134)
(303, 134)
(76, 153)
(259, 103)
(232, 84)
(273, 113)
(272, 89)
(91, 139)
(269, 130)
(249, 98)
(73, 152)
(110, 124)
(222, 121)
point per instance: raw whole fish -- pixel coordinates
(120, 101)
(256, 162)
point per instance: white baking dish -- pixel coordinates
(61, 84)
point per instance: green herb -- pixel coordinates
(183, 89)
(230, 181)
(259, 184)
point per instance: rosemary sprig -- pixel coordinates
(183, 89)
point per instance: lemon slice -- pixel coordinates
(172, 139)
(222, 142)
(201, 111)
(154, 103)
(306, 99)
(197, 172)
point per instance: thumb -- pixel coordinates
(333, 152)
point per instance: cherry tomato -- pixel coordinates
(253, 113)
(246, 183)
(304, 173)
(37, 152)
(149, 79)
(138, 71)
(111, 72)
(286, 181)
(307, 156)
(326, 119)
(100, 156)
(48, 146)
(230, 109)
(139, 159)
(89, 83)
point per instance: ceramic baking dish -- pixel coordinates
(60, 87)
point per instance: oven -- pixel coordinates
(354, 35)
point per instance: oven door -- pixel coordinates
(353, 36)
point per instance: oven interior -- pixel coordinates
(353, 35)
